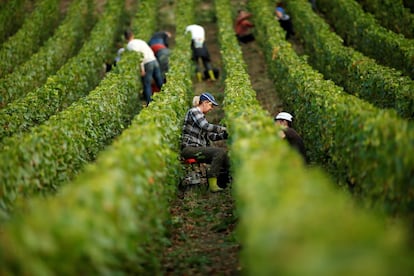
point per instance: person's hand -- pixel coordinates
(225, 135)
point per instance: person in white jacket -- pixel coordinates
(150, 68)
(200, 51)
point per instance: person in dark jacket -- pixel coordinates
(284, 20)
(160, 47)
(284, 119)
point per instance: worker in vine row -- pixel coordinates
(159, 45)
(150, 68)
(200, 51)
(284, 119)
(284, 20)
(243, 27)
(195, 142)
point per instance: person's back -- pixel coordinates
(159, 41)
(295, 141)
(141, 46)
(243, 26)
(159, 45)
(200, 51)
(198, 34)
(197, 31)
(150, 69)
(160, 38)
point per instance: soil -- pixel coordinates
(202, 237)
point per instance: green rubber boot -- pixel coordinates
(212, 184)
(199, 77)
(211, 74)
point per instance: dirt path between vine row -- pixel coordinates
(202, 237)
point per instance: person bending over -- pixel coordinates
(243, 27)
(284, 20)
(284, 119)
(159, 45)
(200, 51)
(150, 68)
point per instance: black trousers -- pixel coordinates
(202, 54)
(215, 156)
(288, 27)
(245, 38)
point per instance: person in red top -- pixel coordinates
(243, 27)
(159, 45)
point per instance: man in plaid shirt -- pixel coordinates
(195, 140)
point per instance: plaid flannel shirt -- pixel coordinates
(197, 130)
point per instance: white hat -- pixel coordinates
(284, 116)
